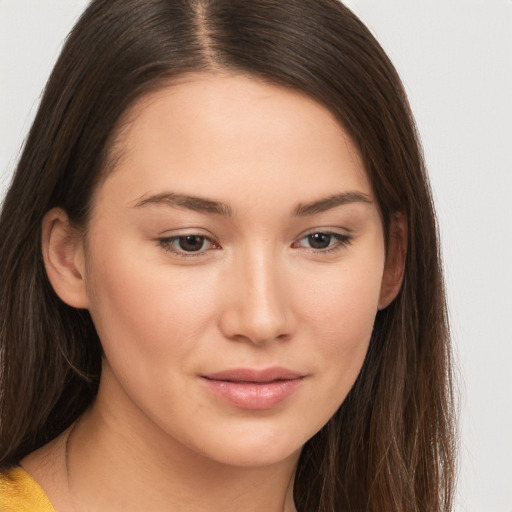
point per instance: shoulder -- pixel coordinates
(19, 492)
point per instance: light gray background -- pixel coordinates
(455, 58)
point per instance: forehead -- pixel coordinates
(207, 131)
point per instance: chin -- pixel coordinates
(254, 447)
(257, 456)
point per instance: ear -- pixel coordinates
(394, 266)
(64, 258)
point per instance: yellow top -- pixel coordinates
(19, 492)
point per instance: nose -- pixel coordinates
(257, 307)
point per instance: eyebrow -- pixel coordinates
(209, 206)
(327, 203)
(197, 204)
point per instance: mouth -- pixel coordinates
(248, 388)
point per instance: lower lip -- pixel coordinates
(254, 395)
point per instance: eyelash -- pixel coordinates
(341, 241)
(168, 244)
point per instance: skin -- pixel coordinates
(255, 295)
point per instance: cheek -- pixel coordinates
(146, 308)
(344, 303)
(338, 318)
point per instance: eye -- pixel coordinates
(323, 241)
(188, 245)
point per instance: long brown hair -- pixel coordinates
(390, 446)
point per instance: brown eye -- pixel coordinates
(323, 241)
(191, 243)
(320, 240)
(188, 245)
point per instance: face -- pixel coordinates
(233, 267)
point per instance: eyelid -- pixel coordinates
(166, 243)
(343, 240)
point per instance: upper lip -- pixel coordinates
(254, 375)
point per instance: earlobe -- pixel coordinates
(63, 256)
(395, 261)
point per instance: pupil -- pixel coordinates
(191, 243)
(319, 240)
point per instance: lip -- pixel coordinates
(248, 388)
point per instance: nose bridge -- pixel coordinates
(258, 309)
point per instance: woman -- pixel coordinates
(221, 285)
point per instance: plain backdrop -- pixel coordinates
(455, 58)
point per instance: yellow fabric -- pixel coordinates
(19, 492)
